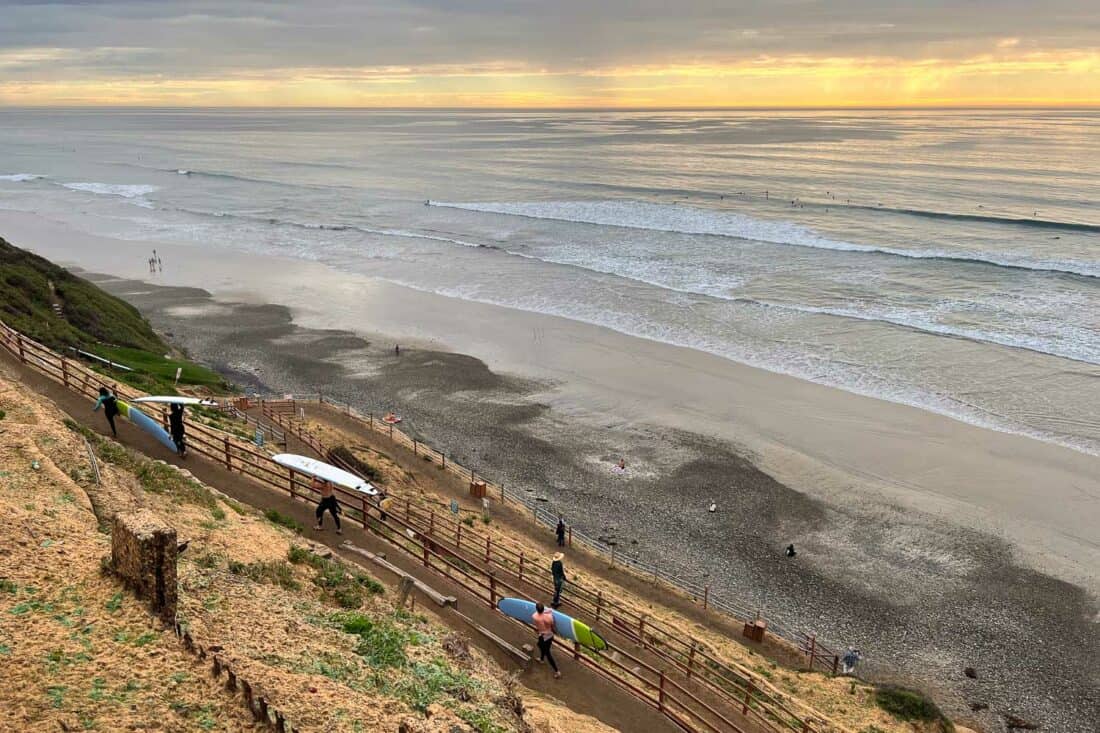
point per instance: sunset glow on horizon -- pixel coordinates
(407, 53)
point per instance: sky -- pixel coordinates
(568, 53)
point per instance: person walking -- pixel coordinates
(544, 625)
(850, 660)
(109, 403)
(328, 501)
(557, 569)
(559, 531)
(176, 429)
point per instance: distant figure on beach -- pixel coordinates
(543, 619)
(110, 407)
(713, 507)
(397, 349)
(559, 531)
(175, 427)
(850, 660)
(790, 551)
(328, 501)
(557, 569)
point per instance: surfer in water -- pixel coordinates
(110, 407)
(328, 501)
(544, 624)
(175, 427)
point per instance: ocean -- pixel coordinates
(946, 259)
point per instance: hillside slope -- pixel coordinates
(322, 640)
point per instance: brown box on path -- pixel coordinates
(477, 489)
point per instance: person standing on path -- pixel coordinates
(850, 660)
(544, 625)
(560, 531)
(110, 407)
(328, 501)
(557, 569)
(176, 429)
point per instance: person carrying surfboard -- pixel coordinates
(110, 407)
(328, 501)
(543, 620)
(175, 427)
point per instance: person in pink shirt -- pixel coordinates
(543, 619)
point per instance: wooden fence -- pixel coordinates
(818, 656)
(680, 700)
(694, 659)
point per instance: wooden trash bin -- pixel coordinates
(477, 489)
(755, 630)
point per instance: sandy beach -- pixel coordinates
(930, 543)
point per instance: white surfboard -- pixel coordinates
(170, 400)
(325, 472)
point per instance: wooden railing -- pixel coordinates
(692, 658)
(819, 657)
(653, 686)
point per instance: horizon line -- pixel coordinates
(580, 108)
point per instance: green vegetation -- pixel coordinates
(278, 572)
(344, 454)
(343, 586)
(89, 314)
(909, 705)
(89, 319)
(429, 681)
(282, 520)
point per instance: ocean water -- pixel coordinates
(944, 259)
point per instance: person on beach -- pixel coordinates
(328, 501)
(850, 660)
(175, 427)
(559, 531)
(110, 407)
(544, 625)
(557, 569)
(790, 551)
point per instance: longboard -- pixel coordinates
(325, 472)
(565, 626)
(146, 423)
(176, 400)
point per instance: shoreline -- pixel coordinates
(826, 442)
(899, 570)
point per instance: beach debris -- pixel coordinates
(1015, 722)
(713, 507)
(971, 673)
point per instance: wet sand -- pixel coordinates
(902, 519)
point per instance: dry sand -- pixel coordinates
(931, 544)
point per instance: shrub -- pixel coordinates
(343, 454)
(284, 521)
(431, 680)
(381, 643)
(908, 704)
(277, 572)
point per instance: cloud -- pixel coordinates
(535, 49)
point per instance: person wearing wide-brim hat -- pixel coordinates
(558, 571)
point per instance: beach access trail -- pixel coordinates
(578, 688)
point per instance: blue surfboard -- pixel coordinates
(565, 626)
(146, 423)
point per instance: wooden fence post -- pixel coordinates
(65, 371)
(492, 590)
(443, 458)
(364, 510)
(19, 341)
(691, 659)
(290, 483)
(228, 461)
(576, 650)
(488, 545)
(706, 596)
(599, 604)
(458, 535)
(521, 565)
(813, 650)
(570, 536)
(431, 523)
(661, 691)
(748, 696)
(414, 447)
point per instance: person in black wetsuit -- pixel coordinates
(110, 407)
(175, 427)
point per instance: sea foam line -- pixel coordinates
(690, 220)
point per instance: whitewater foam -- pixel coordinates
(20, 177)
(125, 190)
(691, 220)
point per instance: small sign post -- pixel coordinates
(179, 373)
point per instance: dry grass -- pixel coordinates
(321, 640)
